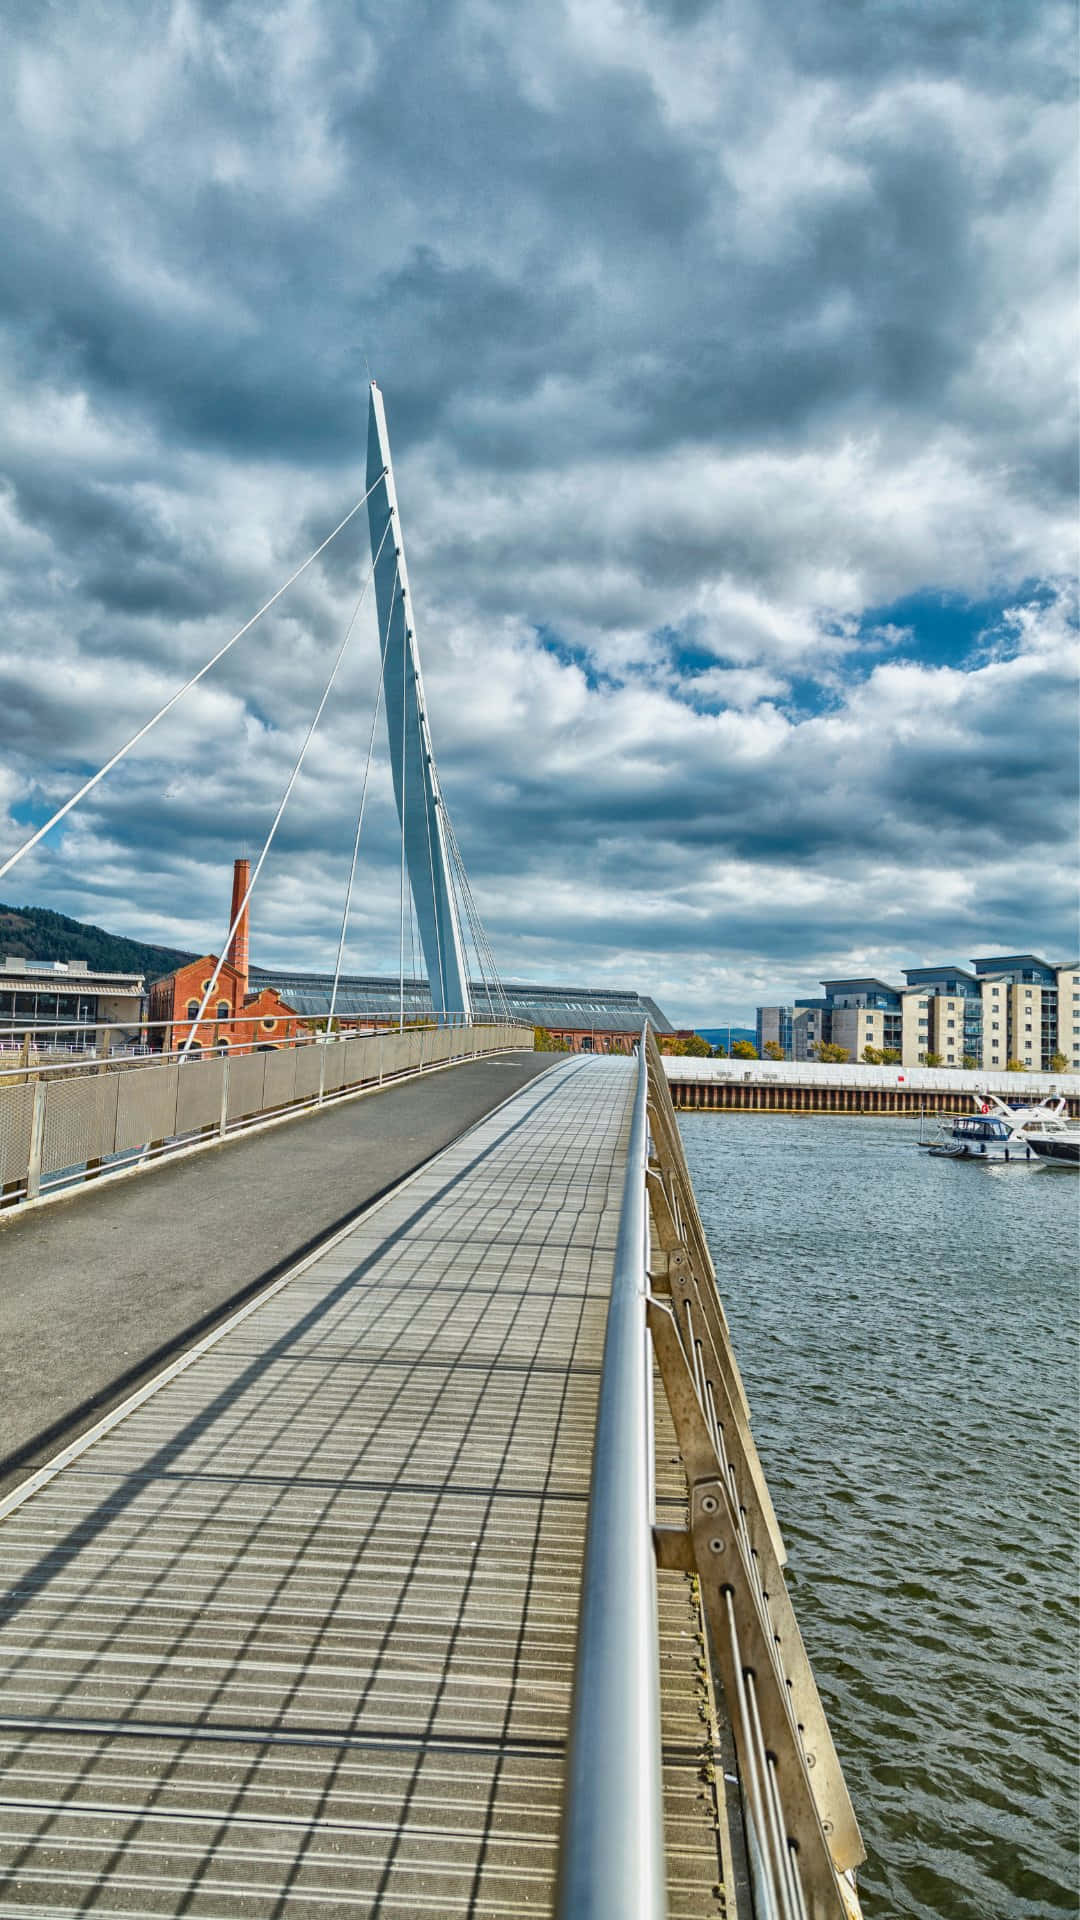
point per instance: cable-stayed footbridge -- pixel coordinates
(438, 1575)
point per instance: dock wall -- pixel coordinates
(698, 1086)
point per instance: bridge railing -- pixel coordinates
(612, 1854)
(87, 1125)
(803, 1843)
(58, 1047)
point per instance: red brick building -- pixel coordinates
(241, 1021)
(234, 1018)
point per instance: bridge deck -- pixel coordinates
(295, 1634)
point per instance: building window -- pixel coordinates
(205, 983)
(192, 1009)
(222, 1009)
(269, 1025)
(1027, 993)
(995, 1024)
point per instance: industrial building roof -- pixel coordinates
(597, 1009)
(61, 973)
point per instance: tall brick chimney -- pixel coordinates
(237, 955)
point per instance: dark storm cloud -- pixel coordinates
(873, 288)
(955, 37)
(704, 331)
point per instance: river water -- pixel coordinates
(907, 1332)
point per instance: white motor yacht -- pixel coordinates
(998, 1131)
(1056, 1142)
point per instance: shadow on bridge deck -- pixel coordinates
(99, 1290)
(295, 1636)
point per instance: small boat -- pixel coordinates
(1000, 1131)
(978, 1139)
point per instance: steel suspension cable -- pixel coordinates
(470, 918)
(413, 974)
(460, 888)
(90, 784)
(481, 942)
(401, 877)
(495, 981)
(429, 802)
(293, 777)
(363, 802)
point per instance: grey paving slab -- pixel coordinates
(295, 1636)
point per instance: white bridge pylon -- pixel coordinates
(412, 758)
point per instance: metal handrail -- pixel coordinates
(803, 1841)
(611, 1862)
(229, 1045)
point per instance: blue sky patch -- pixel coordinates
(569, 655)
(946, 628)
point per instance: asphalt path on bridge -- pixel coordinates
(100, 1290)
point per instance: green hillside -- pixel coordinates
(37, 934)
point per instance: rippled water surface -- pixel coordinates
(907, 1331)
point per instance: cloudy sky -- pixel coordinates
(728, 358)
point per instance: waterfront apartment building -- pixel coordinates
(863, 1013)
(810, 1025)
(773, 1029)
(1012, 1006)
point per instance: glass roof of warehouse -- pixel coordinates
(614, 1011)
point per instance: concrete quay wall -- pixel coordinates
(759, 1086)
